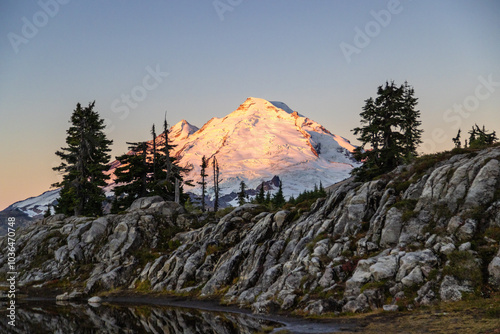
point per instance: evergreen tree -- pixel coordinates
(131, 176)
(261, 197)
(84, 160)
(171, 180)
(155, 154)
(268, 198)
(278, 198)
(217, 181)
(390, 126)
(480, 137)
(167, 147)
(242, 195)
(203, 183)
(47, 213)
(456, 140)
(410, 123)
(322, 191)
(156, 174)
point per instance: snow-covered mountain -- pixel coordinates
(262, 139)
(259, 140)
(28, 209)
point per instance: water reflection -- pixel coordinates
(45, 317)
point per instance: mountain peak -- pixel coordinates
(262, 107)
(182, 130)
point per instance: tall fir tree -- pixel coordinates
(268, 197)
(261, 197)
(278, 198)
(203, 182)
(242, 193)
(391, 129)
(457, 141)
(84, 160)
(172, 181)
(132, 176)
(410, 123)
(217, 180)
(154, 157)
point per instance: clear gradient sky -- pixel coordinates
(321, 57)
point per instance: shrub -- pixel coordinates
(463, 266)
(143, 286)
(374, 286)
(406, 204)
(144, 256)
(493, 232)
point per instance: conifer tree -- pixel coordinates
(84, 160)
(155, 154)
(456, 140)
(279, 199)
(132, 176)
(390, 127)
(480, 137)
(268, 198)
(217, 181)
(410, 123)
(167, 147)
(47, 213)
(170, 170)
(156, 174)
(261, 197)
(322, 191)
(242, 194)
(203, 183)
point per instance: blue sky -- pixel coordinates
(201, 59)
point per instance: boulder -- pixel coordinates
(484, 185)
(467, 230)
(451, 289)
(97, 229)
(414, 277)
(265, 307)
(410, 260)
(95, 299)
(392, 228)
(390, 308)
(385, 267)
(494, 271)
(289, 301)
(447, 249)
(144, 203)
(358, 305)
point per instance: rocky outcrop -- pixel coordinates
(426, 232)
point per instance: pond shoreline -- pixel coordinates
(290, 323)
(294, 324)
(473, 315)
